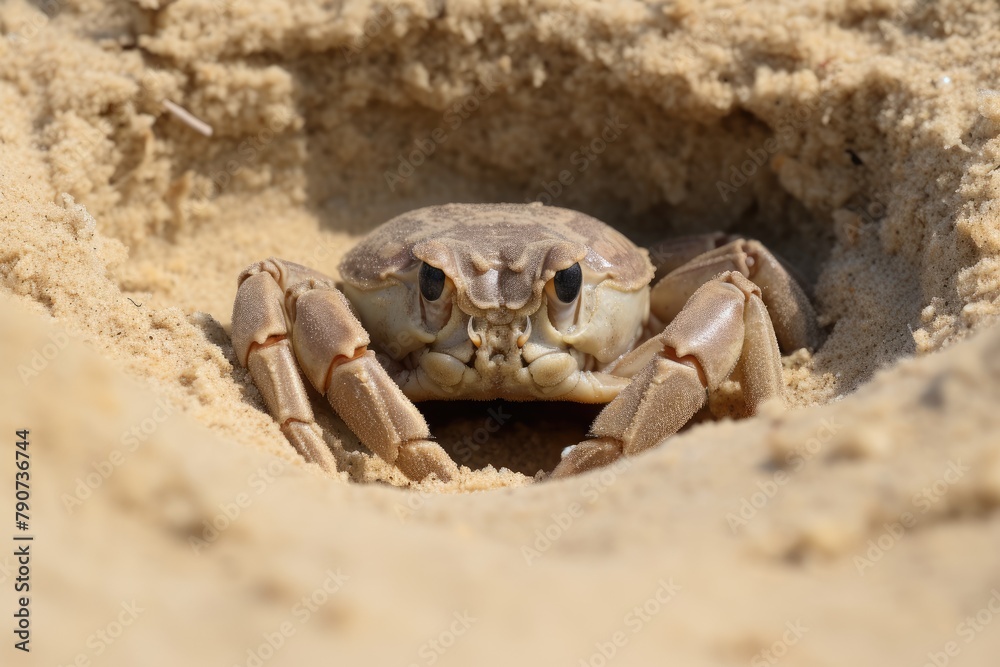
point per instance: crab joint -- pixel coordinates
(268, 342)
(374, 407)
(339, 360)
(687, 360)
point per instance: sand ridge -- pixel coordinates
(858, 140)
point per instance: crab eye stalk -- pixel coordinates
(431, 282)
(568, 282)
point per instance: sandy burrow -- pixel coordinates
(871, 134)
(868, 525)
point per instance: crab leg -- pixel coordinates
(792, 314)
(300, 315)
(674, 253)
(724, 325)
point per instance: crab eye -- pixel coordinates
(431, 282)
(568, 282)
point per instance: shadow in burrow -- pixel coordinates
(726, 187)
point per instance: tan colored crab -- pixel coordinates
(521, 302)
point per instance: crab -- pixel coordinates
(516, 302)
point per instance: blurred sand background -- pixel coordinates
(858, 139)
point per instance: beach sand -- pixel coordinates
(173, 523)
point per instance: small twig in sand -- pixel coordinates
(188, 118)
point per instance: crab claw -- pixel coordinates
(589, 454)
(419, 458)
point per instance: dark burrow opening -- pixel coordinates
(524, 437)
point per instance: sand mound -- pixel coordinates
(858, 140)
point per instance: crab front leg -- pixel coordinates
(687, 269)
(287, 317)
(724, 326)
(670, 255)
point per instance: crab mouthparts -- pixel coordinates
(501, 341)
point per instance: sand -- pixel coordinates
(859, 140)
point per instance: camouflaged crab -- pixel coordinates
(520, 302)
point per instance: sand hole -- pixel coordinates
(332, 157)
